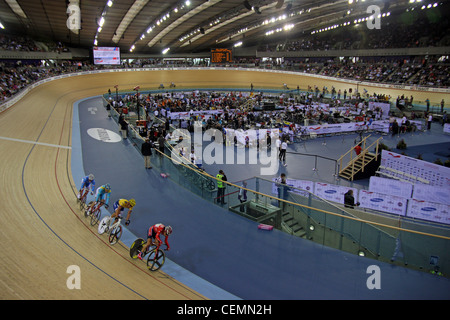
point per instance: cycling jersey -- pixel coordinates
(103, 194)
(123, 203)
(85, 183)
(155, 231)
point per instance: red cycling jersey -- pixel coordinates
(155, 231)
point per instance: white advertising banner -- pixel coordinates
(383, 202)
(391, 186)
(430, 211)
(333, 192)
(447, 128)
(304, 185)
(436, 174)
(385, 107)
(187, 115)
(252, 135)
(431, 193)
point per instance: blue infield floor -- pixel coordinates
(222, 255)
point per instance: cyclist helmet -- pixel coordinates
(168, 230)
(132, 202)
(107, 187)
(91, 177)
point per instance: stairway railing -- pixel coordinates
(353, 158)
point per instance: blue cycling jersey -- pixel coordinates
(85, 183)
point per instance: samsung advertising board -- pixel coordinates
(106, 55)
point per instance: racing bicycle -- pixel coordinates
(93, 210)
(82, 200)
(156, 256)
(114, 232)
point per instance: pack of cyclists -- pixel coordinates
(102, 197)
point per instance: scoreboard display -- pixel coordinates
(220, 55)
(106, 55)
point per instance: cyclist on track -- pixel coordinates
(102, 195)
(86, 183)
(120, 205)
(154, 234)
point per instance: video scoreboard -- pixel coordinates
(221, 55)
(106, 55)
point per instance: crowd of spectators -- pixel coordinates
(15, 75)
(23, 43)
(400, 30)
(17, 43)
(310, 105)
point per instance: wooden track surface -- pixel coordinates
(43, 231)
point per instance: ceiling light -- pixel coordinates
(16, 8)
(110, 3)
(165, 50)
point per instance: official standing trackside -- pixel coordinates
(221, 177)
(430, 119)
(146, 150)
(242, 196)
(282, 155)
(123, 128)
(349, 199)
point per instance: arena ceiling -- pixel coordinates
(149, 26)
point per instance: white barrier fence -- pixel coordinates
(399, 203)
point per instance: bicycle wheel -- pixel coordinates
(86, 210)
(95, 216)
(103, 226)
(136, 247)
(83, 202)
(115, 235)
(156, 259)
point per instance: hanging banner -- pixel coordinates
(333, 192)
(430, 211)
(383, 202)
(390, 186)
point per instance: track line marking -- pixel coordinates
(37, 143)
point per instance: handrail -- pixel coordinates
(315, 160)
(308, 207)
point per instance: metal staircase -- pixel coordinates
(351, 164)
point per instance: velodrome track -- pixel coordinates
(42, 229)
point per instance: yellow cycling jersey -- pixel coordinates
(125, 203)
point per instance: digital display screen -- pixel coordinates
(106, 55)
(220, 55)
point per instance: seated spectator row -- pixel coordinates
(400, 30)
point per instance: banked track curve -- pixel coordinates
(43, 233)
